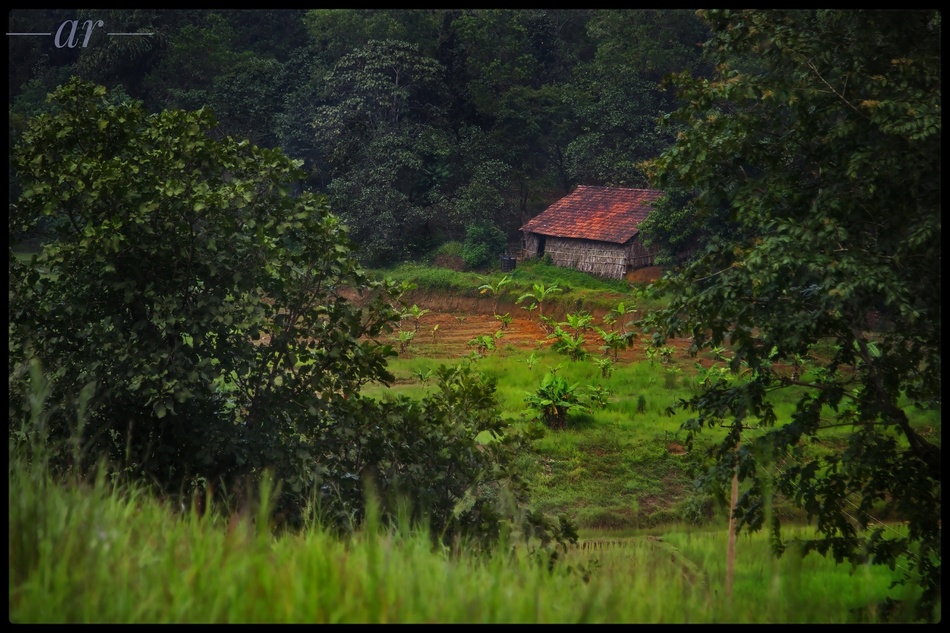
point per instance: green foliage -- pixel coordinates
(675, 226)
(605, 365)
(336, 32)
(819, 140)
(515, 66)
(382, 138)
(505, 320)
(598, 396)
(620, 314)
(428, 452)
(484, 343)
(538, 294)
(105, 552)
(614, 342)
(197, 300)
(245, 98)
(554, 399)
(193, 331)
(486, 198)
(415, 313)
(232, 351)
(571, 342)
(494, 288)
(568, 343)
(404, 339)
(484, 244)
(616, 94)
(196, 54)
(449, 249)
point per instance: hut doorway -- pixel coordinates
(541, 239)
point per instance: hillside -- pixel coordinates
(623, 467)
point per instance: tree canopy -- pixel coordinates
(183, 284)
(818, 143)
(488, 116)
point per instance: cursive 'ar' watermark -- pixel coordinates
(70, 40)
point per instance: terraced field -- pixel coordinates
(451, 323)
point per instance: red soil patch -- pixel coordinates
(645, 275)
(445, 331)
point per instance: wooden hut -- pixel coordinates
(594, 229)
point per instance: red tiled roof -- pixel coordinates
(605, 214)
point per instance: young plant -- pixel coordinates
(614, 342)
(606, 366)
(539, 293)
(423, 376)
(484, 343)
(531, 307)
(714, 374)
(504, 319)
(404, 338)
(568, 343)
(663, 354)
(531, 361)
(619, 314)
(416, 313)
(597, 397)
(554, 399)
(494, 289)
(579, 322)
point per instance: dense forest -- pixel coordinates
(421, 126)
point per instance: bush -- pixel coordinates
(427, 453)
(449, 255)
(484, 243)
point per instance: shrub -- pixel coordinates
(554, 399)
(483, 244)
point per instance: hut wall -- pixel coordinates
(530, 245)
(638, 255)
(598, 258)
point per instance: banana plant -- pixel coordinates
(620, 314)
(539, 293)
(614, 342)
(494, 289)
(579, 322)
(504, 319)
(570, 343)
(554, 399)
(416, 313)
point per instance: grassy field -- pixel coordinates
(652, 547)
(622, 466)
(104, 553)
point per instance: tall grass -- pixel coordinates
(108, 553)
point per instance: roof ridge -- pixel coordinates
(615, 188)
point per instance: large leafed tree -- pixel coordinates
(192, 322)
(818, 143)
(183, 291)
